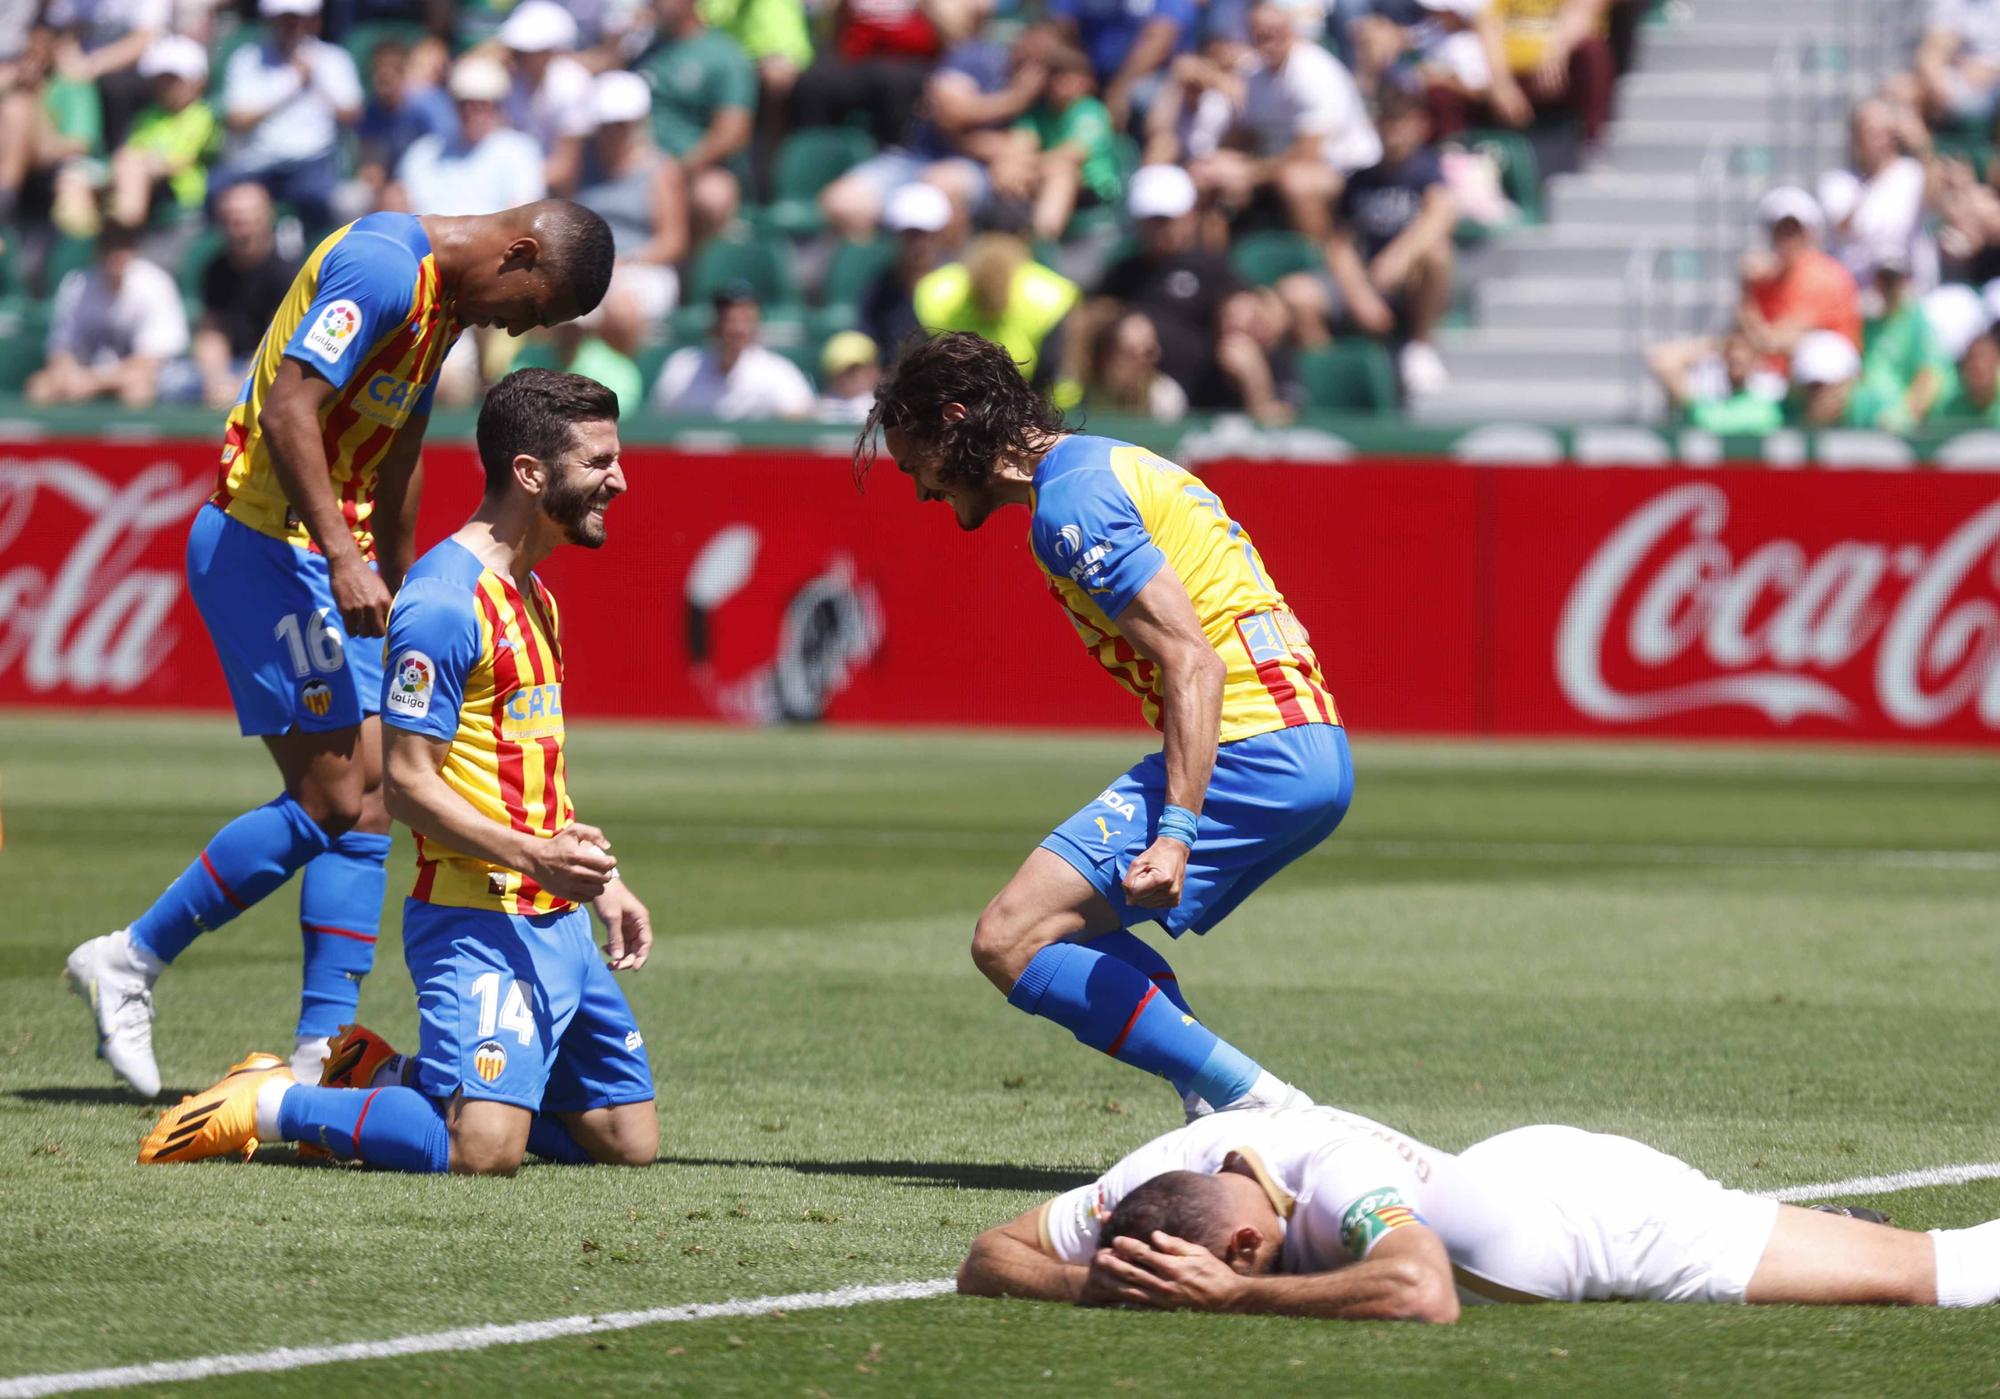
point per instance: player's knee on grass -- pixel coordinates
(626, 1135)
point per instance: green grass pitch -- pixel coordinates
(1782, 966)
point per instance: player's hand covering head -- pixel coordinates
(553, 436)
(959, 401)
(1224, 1213)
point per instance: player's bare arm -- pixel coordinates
(398, 489)
(575, 863)
(290, 423)
(1008, 1261)
(1407, 1277)
(1162, 626)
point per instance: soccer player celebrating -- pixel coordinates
(1321, 1213)
(527, 1043)
(1171, 597)
(319, 477)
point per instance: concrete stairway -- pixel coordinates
(1556, 334)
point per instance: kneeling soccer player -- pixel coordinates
(1321, 1213)
(527, 1042)
(1171, 597)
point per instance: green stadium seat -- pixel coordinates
(807, 162)
(1353, 376)
(651, 360)
(763, 262)
(853, 267)
(195, 257)
(1520, 177)
(66, 255)
(24, 334)
(1261, 258)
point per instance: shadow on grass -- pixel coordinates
(966, 1175)
(108, 1095)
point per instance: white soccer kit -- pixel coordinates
(1538, 1213)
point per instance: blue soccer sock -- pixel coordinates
(340, 916)
(1130, 947)
(246, 860)
(396, 1128)
(1112, 1006)
(549, 1138)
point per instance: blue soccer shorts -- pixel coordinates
(521, 1010)
(269, 609)
(1272, 798)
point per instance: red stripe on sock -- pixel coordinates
(1137, 1011)
(1165, 976)
(227, 892)
(366, 1104)
(337, 932)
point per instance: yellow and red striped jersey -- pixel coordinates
(1107, 516)
(472, 659)
(368, 314)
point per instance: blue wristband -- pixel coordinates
(1177, 823)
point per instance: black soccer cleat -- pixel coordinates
(1854, 1212)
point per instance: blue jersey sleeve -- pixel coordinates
(433, 646)
(367, 285)
(1087, 529)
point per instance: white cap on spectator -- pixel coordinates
(917, 208)
(175, 55)
(1790, 202)
(1466, 9)
(271, 9)
(1958, 315)
(475, 79)
(1825, 357)
(618, 96)
(539, 26)
(1160, 192)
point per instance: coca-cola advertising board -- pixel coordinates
(1442, 598)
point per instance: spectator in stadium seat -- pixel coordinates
(774, 34)
(1550, 56)
(550, 95)
(1824, 367)
(1794, 287)
(487, 166)
(285, 100)
(47, 121)
(116, 325)
(241, 288)
(1301, 130)
(1875, 210)
(399, 112)
(1450, 55)
(1963, 324)
(704, 94)
(1130, 44)
(100, 43)
(850, 367)
(1956, 76)
(735, 377)
(1063, 153)
(578, 348)
(1123, 375)
(1000, 292)
(166, 154)
(919, 218)
(881, 55)
(640, 191)
(1718, 385)
(1904, 370)
(1216, 334)
(1389, 262)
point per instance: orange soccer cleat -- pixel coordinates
(219, 1122)
(354, 1057)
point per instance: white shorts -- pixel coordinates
(1641, 1225)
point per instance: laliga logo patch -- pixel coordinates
(334, 331)
(318, 696)
(490, 1060)
(1069, 539)
(410, 690)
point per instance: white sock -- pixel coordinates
(390, 1073)
(1968, 1265)
(309, 1052)
(270, 1097)
(137, 957)
(1270, 1091)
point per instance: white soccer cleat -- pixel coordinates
(121, 1001)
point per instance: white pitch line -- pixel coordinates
(471, 1338)
(466, 1338)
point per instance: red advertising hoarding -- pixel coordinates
(1442, 598)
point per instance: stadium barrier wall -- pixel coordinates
(1443, 597)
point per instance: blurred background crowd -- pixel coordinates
(1161, 207)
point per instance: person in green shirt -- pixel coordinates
(1715, 384)
(997, 291)
(773, 33)
(172, 140)
(1964, 326)
(1066, 148)
(46, 121)
(704, 98)
(1904, 371)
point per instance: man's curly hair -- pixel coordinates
(1003, 413)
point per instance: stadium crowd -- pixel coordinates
(1158, 205)
(1872, 299)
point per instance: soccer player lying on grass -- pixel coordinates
(1321, 1213)
(318, 485)
(1170, 596)
(526, 1043)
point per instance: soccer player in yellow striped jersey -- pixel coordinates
(1170, 595)
(292, 564)
(527, 1043)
